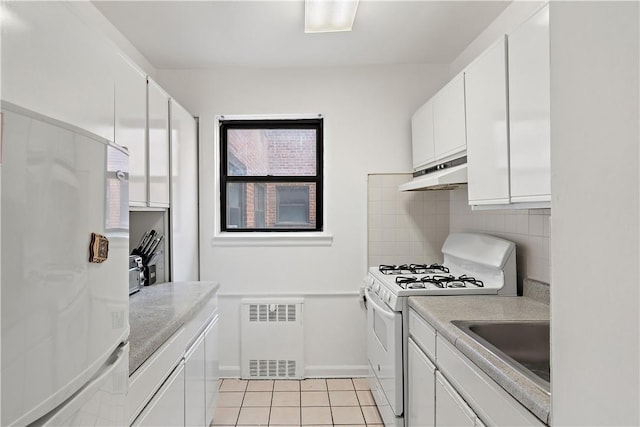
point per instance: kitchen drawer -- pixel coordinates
(423, 334)
(200, 321)
(490, 401)
(153, 372)
(167, 407)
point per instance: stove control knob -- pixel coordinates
(376, 287)
(388, 298)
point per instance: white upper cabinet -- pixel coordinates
(487, 131)
(529, 110)
(158, 144)
(438, 127)
(422, 136)
(53, 64)
(131, 125)
(184, 195)
(449, 119)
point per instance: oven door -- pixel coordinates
(384, 349)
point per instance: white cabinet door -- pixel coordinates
(184, 195)
(422, 140)
(449, 119)
(487, 138)
(167, 406)
(211, 369)
(529, 110)
(194, 371)
(421, 382)
(54, 64)
(451, 409)
(131, 124)
(158, 145)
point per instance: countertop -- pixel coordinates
(156, 312)
(439, 312)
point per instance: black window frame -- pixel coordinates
(317, 179)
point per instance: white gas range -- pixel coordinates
(473, 264)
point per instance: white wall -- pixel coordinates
(516, 13)
(594, 157)
(97, 21)
(367, 114)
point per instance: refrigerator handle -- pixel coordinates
(64, 413)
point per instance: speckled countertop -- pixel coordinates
(439, 312)
(158, 311)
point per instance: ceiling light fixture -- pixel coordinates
(324, 16)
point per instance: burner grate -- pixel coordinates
(438, 280)
(413, 269)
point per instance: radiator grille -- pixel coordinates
(272, 368)
(272, 312)
(271, 338)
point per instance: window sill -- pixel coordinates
(272, 239)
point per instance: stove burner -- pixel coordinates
(458, 282)
(439, 281)
(413, 268)
(409, 282)
(394, 269)
(427, 269)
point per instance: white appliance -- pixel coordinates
(473, 264)
(65, 320)
(446, 176)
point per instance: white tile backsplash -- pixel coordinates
(405, 227)
(528, 228)
(412, 226)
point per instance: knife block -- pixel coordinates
(150, 274)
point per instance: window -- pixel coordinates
(271, 175)
(292, 204)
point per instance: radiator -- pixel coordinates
(271, 338)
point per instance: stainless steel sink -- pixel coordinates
(522, 344)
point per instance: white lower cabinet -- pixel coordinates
(189, 357)
(421, 382)
(460, 399)
(194, 384)
(451, 409)
(166, 408)
(211, 369)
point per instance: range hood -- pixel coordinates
(446, 178)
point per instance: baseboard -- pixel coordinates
(328, 371)
(230, 371)
(317, 371)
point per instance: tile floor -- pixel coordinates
(313, 402)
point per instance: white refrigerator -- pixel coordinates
(65, 317)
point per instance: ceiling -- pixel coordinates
(205, 34)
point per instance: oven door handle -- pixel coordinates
(373, 299)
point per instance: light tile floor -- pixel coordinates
(340, 402)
